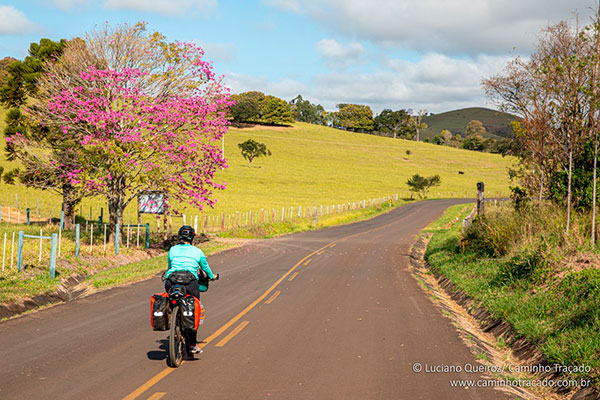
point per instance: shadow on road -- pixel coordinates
(159, 354)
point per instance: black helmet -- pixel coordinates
(186, 233)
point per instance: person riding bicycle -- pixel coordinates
(189, 265)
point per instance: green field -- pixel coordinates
(313, 165)
(496, 123)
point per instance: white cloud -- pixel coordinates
(220, 52)
(162, 7)
(444, 26)
(437, 83)
(336, 54)
(14, 22)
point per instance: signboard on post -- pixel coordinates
(151, 203)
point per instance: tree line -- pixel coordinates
(556, 92)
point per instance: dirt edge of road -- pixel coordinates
(483, 334)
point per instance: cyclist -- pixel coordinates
(188, 266)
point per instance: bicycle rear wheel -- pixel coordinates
(176, 340)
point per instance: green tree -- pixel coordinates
(394, 122)
(355, 117)
(420, 184)
(247, 107)
(260, 108)
(276, 111)
(305, 111)
(251, 150)
(10, 176)
(23, 75)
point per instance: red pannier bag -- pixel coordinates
(192, 313)
(159, 311)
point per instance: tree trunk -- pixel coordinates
(569, 190)
(594, 188)
(541, 195)
(115, 211)
(70, 201)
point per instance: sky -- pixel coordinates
(398, 54)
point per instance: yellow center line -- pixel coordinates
(333, 245)
(157, 396)
(307, 261)
(291, 278)
(272, 298)
(156, 378)
(234, 332)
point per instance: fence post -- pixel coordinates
(117, 240)
(20, 251)
(53, 257)
(4, 252)
(28, 216)
(147, 235)
(77, 228)
(91, 238)
(480, 198)
(62, 219)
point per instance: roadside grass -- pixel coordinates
(102, 272)
(554, 305)
(140, 270)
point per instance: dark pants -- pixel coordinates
(193, 289)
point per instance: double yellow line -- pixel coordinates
(158, 377)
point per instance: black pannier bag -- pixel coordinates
(181, 277)
(159, 317)
(192, 313)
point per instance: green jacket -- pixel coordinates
(185, 257)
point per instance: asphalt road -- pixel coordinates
(329, 314)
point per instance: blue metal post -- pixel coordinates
(53, 255)
(28, 216)
(147, 235)
(117, 240)
(62, 219)
(20, 251)
(77, 229)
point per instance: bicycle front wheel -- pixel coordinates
(176, 340)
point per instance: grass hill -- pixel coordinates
(314, 165)
(496, 122)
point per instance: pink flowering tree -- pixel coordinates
(133, 141)
(136, 113)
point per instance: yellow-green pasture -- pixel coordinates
(310, 165)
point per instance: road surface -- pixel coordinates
(328, 314)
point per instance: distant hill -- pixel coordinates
(497, 123)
